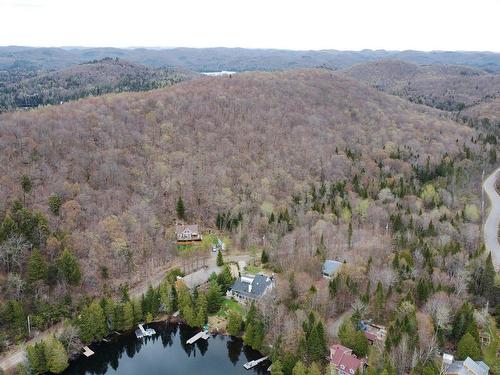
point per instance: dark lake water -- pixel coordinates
(167, 353)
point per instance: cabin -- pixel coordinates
(250, 288)
(373, 332)
(344, 361)
(331, 268)
(467, 367)
(187, 233)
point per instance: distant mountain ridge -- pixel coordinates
(447, 87)
(235, 59)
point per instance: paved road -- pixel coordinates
(493, 220)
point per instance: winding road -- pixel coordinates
(493, 220)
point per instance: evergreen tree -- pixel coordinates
(180, 209)
(264, 258)
(487, 281)
(136, 304)
(349, 234)
(201, 309)
(220, 260)
(37, 267)
(468, 347)
(276, 368)
(36, 358)
(68, 268)
(379, 299)
(234, 324)
(57, 358)
(92, 323)
(26, 185)
(55, 203)
(299, 369)
(225, 279)
(353, 339)
(214, 297)
(128, 316)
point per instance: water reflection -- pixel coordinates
(168, 353)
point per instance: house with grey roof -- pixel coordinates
(467, 367)
(250, 288)
(331, 268)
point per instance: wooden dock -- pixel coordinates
(200, 335)
(87, 352)
(141, 332)
(254, 363)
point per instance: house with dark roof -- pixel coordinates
(467, 367)
(331, 268)
(250, 288)
(344, 361)
(187, 233)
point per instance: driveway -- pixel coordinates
(493, 220)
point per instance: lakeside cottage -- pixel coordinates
(344, 361)
(187, 233)
(250, 288)
(331, 268)
(467, 367)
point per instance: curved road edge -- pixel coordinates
(493, 220)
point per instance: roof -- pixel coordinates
(342, 358)
(371, 336)
(258, 282)
(179, 228)
(462, 367)
(331, 267)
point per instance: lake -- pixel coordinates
(167, 353)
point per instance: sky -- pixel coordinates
(426, 25)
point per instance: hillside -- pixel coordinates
(87, 79)
(445, 87)
(126, 158)
(299, 166)
(233, 59)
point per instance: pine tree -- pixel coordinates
(128, 316)
(234, 324)
(220, 260)
(57, 358)
(37, 267)
(136, 304)
(92, 323)
(349, 234)
(299, 369)
(180, 209)
(487, 281)
(55, 203)
(201, 309)
(264, 258)
(68, 268)
(26, 185)
(379, 299)
(36, 358)
(214, 297)
(225, 279)
(468, 347)
(276, 368)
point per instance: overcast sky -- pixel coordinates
(287, 24)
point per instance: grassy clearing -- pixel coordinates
(490, 351)
(230, 305)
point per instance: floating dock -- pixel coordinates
(141, 332)
(87, 352)
(200, 335)
(254, 363)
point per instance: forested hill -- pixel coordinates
(87, 79)
(449, 87)
(117, 163)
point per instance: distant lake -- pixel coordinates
(221, 73)
(167, 353)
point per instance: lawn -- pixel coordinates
(254, 269)
(229, 305)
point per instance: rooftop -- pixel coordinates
(252, 286)
(331, 267)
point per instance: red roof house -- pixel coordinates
(344, 361)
